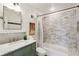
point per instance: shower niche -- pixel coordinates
(32, 25)
(32, 28)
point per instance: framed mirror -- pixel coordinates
(12, 17)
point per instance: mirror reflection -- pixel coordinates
(12, 16)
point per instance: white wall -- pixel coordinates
(26, 15)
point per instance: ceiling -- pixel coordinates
(46, 7)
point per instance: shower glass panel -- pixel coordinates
(61, 29)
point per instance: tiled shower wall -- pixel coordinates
(61, 28)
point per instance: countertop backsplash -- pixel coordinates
(11, 37)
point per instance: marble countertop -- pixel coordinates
(9, 47)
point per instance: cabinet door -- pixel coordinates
(33, 49)
(29, 50)
(26, 51)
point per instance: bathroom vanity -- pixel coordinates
(19, 48)
(11, 34)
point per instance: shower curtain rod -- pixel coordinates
(58, 11)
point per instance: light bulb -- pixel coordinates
(17, 8)
(52, 9)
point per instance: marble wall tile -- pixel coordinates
(7, 37)
(61, 28)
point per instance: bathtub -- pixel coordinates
(55, 50)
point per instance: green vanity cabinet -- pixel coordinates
(33, 50)
(29, 50)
